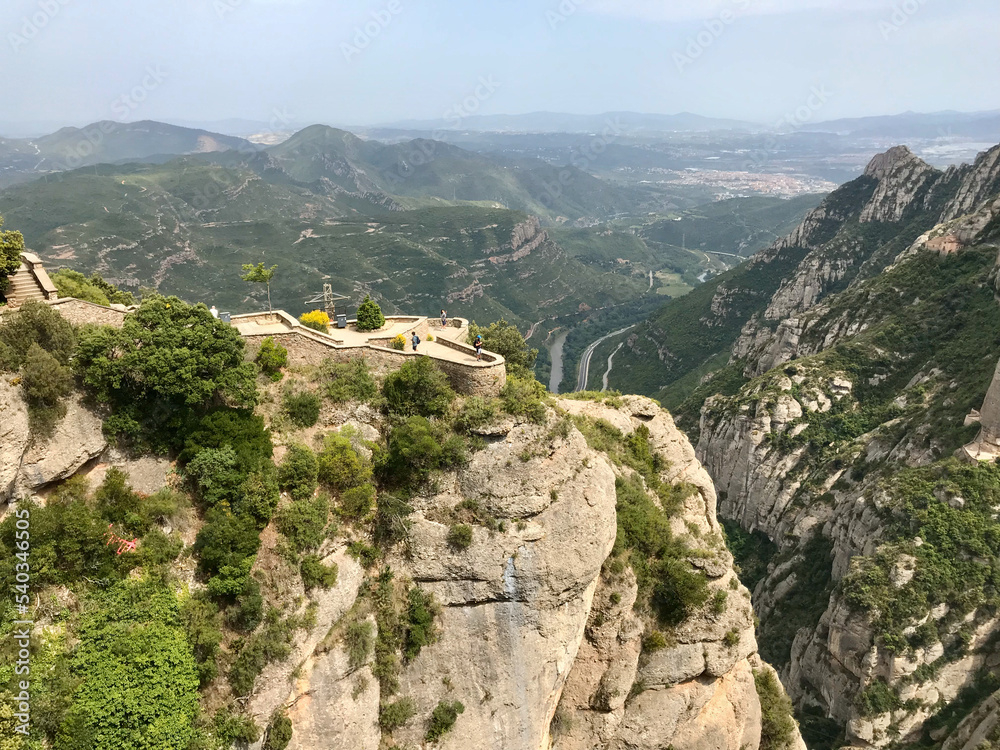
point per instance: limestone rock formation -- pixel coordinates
(537, 640)
(28, 464)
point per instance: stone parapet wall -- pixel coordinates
(78, 312)
(470, 379)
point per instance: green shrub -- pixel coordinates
(68, 542)
(398, 342)
(233, 729)
(777, 725)
(391, 520)
(271, 357)
(226, 540)
(248, 611)
(419, 387)
(504, 339)
(36, 323)
(302, 408)
(303, 522)
(523, 398)
(203, 624)
(369, 316)
(416, 448)
(11, 247)
(877, 698)
(168, 362)
(239, 429)
(392, 716)
(420, 613)
(443, 719)
(271, 643)
(340, 466)
(279, 732)
(216, 475)
(348, 381)
(359, 638)
(460, 536)
(141, 683)
(476, 412)
(357, 502)
(298, 473)
(317, 575)
(258, 495)
(45, 381)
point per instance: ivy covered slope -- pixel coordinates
(878, 591)
(750, 312)
(331, 557)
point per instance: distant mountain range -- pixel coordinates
(106, 142)
(984, 125)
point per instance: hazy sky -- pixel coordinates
(365, 62)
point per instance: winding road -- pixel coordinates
(588, 353)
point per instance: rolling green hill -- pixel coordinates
(189, 225)
(106, 142)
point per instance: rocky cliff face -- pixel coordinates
(537, 638)
(858, 231)
(864, 381)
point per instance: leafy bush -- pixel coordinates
(298, 473)
(358, 641)
(752, 552)
(35, 323)
(271, 357)
(317, 575)
(420, 613)
(239, 429)
(357, 502)
(170, 361)
(523, 398)
(348, 381)
(419, 387)
(11, 247)
(673, 588)
(370, 317)
(504, 339)
(777, 725)
(303, 522)
(230, 729)
(391, 520)
(443, 719)
(95, 289)
(271, 643)
(317, 320)
(203, 624)
(392, 716)
(416, 448)
(302, 408)
(398, 342)
(226, 540)
(475, 413)
(460, 536)
(215, 475)
(279, 732)
(44, 379)
(141, 686)
(340, 466)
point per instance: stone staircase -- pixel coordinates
(29, 282)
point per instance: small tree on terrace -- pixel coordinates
(370, 317)
(259, 274)
(504, 339)
(11, 247)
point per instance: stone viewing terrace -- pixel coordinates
(310, 347)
